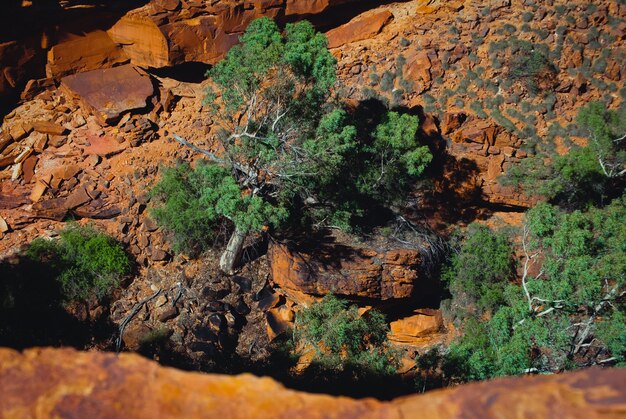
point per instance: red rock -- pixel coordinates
(418, 71)
(77, 198)
(38, 191)
(29, 168)
(343, 270)
(3, 226)
(36, 86)
(415, 328)
(363, 27)
(5, 140)
(47, 127)
(110, 92)
(93, 51)
(104, 146)
(45, 382)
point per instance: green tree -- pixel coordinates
(567, 308)
(606, 130)
(585, 175)
(288, 146)
(479, 270)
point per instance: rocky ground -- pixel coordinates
(88, 140)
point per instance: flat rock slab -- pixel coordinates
(110, 92)
(47, 127)
(104, 146)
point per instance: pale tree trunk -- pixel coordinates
(231, 256)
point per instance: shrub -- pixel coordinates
(476, 274)
(386, 82)
(342, 339)
(87, 263)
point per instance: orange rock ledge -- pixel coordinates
(43, 383)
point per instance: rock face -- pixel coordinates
(343, 270)
(93, 51)
(417, 327)
(111, 92)
(363, 27)
(66, 383)
(170, 32)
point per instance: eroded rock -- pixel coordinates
(347, 271)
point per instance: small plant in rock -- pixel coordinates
(87, 263)
(386, 82)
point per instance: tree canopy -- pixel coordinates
(288, 148)
(568, 308)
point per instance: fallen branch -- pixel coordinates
(133, 313)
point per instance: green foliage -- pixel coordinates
(288, 150)
(87, 263)
(192, 204)
(585, 174)
(571, 300)
(342, 339)
(393, 157)
(477, 273)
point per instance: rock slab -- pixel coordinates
(110, 92)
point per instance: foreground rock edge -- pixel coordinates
(45, 382)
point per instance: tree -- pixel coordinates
(567, 308)
(479, 270)
(289, 148)
(270, 99)
(606, 130)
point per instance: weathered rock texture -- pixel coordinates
(110, 92)
(93, 51)
(343, 270)
(169, 32)
(66, 383)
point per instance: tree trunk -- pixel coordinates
(232, 255)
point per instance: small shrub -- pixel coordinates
(386, 83)
(88, 263)
(342, 339)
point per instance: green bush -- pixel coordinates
(386, 82)
(477, 273)
(342, 339)
(87, 263)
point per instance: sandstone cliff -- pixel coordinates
(46, 383)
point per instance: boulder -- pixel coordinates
(93, 51)
(343, 270)
(45, 382)
(416, 328)
(363, 27)
(108, 93)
